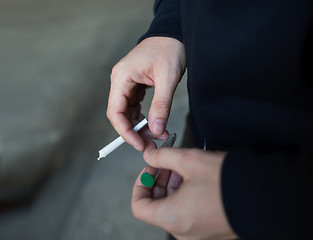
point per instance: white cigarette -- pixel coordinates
(119, 141)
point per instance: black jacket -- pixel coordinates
(250, 87)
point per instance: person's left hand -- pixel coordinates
(195, 209)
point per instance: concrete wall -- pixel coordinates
(55, 62)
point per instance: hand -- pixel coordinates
(195, 209)
(158, 62)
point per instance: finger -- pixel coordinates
(161, 104)
(134, 113)
(147, 134)
(144, 207)
(174, 182)
(145, 191)
(149, 145)
(160, 187)
(170, 158)
(117, 109)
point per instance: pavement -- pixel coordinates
(56, 59)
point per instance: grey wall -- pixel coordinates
(55, 62)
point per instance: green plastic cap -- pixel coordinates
(147, 180)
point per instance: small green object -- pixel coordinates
(147, 180)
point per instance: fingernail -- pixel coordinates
(158, 126)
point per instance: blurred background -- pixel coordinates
(56, 58)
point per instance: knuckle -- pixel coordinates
(116, 69)
(161, 104)
(109, 114)
(135, 212)
(114, 72)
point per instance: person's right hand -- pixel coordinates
(157, 61)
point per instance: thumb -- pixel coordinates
(174, 159)
(161, 106)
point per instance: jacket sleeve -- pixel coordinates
(269, 196)
(167, 20)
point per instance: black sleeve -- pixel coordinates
(269, 196)
(167, 20)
